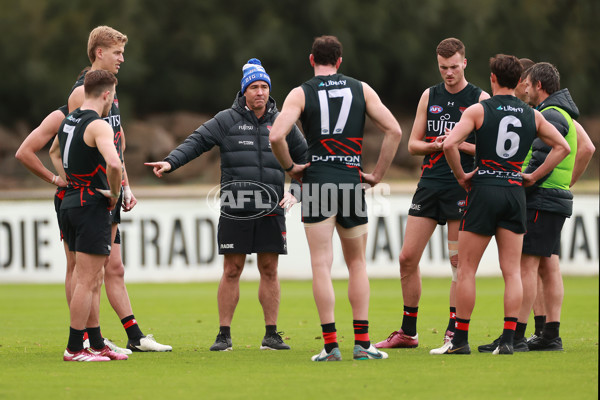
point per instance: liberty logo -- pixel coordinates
(332, 83)
(510, 108)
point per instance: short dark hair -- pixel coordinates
(98, 81)
(547, 75)
(326, 50)
(526, 63)
(449, 47)
(508, 70)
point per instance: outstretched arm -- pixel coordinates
(159, 167)
(201, 140)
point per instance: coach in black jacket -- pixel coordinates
(252, 196)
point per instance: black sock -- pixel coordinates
(540, 320)
(329, 336)
(409, 320)
(520, 330)
(461, 333)
(132, 328)
(508, 334)
(96, 339)
(75, 342)
(270, 329)
(551, 330)
(452, 321)
(361, 333)
(225, 331)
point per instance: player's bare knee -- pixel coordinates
(92, 280)
(357, 266)
(115, 270)
(408, 264)
(268, 270)
(232, 271)
(269, 275)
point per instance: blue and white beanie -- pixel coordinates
(254, 71)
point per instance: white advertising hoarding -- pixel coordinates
(174, 240)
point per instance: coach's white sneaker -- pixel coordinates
(115, 348)
(147, 343)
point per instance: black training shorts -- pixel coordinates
(246, 236)
(442, 205)
(87, 229)
(490, 207)
(334, 190)
(543, 233)
(115, 214)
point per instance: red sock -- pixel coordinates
(361, 333)
(461, 332)
(508, 334)
(329, 336)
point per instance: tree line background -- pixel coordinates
(184, 57)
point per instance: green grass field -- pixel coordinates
(34, 328)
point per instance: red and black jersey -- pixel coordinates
(333, 120)
(84, 165)
(503, 141)
(113, 118)
(444, 110)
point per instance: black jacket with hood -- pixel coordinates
(252, 180)
(555, 200)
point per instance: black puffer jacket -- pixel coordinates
(252, 181)
(551, 199)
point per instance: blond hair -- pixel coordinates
(104, 36)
